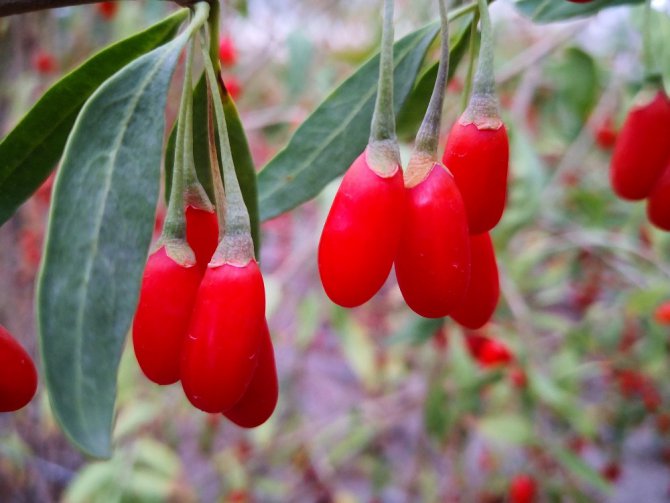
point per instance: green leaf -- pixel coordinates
(412, 112)
(506, 429)
(326, 144)
(244, 163)
(580, 469)
(100, 229)
(31, 150)
(547, 11)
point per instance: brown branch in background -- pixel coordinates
(11, 7)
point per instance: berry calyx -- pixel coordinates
(18, 376)
(260, 399)
(481, 298)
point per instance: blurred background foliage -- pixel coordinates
(377, 404)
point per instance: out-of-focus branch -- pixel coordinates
(11, 7)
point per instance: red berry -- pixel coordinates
(662, 314)
(479, 159)
(483, 292)
(487, 351)
(523, 489)
(163, 314)
(260, 399)
(518, 378)
(433, 261)
(18, 377)
(227, 51)
(107, 9)
(360, 237)
(606, 134)
(658, 204)
(221, 351)
(202, 234)
(611, 471)
(641, 152)
(44, 62)
(233, 87)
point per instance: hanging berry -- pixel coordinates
(523, 489)
(642, 150)
(369, 204)
(477, 149)
(18, 377)
(225, 338)
(260, 399)
(433, 260)
(658, 204)
(482, 295)
(171, 276)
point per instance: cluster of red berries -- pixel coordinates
(640, 167)
(201, 312)
(18, 377)
(432, 223)
(203, 322)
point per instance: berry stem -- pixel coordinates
(213, 25)
(236, 245)
(472, 48)
(484, 83)
(652, 73)
(383, 119)
(217, 181)
(428, 137)
(175, 221)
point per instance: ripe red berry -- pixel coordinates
(107, 9)
(163, 314)
(227, 51)
(367, 209)
(202, 234)
(233, 86)
(44, 62)
(481, 298)
(221, 351)
(523, 489)
(433, 261)
(518, 377)
(606, 134)
(479, 159)
(260, 399)
(611, 471)
(642, 151)
(658, 204)
(18, 377)
(662, 314)
(487, 351)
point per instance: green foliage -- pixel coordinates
(99, 234)
(548, 11)
(326, 144)
(31, 150)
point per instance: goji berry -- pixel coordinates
(523, 489)
(18, 376)
(227, 51)
(202, 234)
(658, 204)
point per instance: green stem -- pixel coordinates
(175, 221)
(484, 83)
(467, 88)
(213, 25)
(383, 119)
(217, 182)
(428, 137)
(650, 68)
(236, 244)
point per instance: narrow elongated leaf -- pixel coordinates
(244, 164)
(547, 11)
(99, 234)
(331, 138)
(31, 150)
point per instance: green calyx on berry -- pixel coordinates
(483, 110)
(236, 246)
(424, 155)
(383, 154)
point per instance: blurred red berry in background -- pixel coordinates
(44, 62)
(107, 10)
(227, 51)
